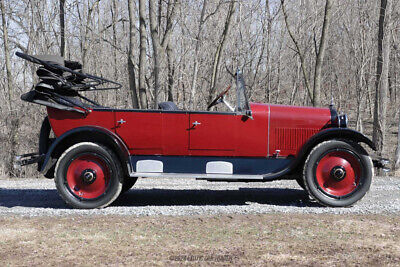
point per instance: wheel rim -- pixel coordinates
(338, 173)
(88, 176)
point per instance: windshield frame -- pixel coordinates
(242, 105)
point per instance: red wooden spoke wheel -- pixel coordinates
(88, 176)
(338, 172)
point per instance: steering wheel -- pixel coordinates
(218, 98)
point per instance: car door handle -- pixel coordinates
(196, 123)
(121, 121)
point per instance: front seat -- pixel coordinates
(169, 105)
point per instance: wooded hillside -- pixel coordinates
(305, 52)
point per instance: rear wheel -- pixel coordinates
(88, 176)
(338, 173)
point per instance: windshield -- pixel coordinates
(242, 101)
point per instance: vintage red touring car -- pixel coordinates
(99, 152)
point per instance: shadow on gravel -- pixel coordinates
(31, 198)
(204, 197)
(49, 198)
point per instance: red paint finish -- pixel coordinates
(175, 133)
(290, 127)
(141, 131)
(273, 127)
(332, 186)
(230, 134)
(83, 189)
(62, 121)
(252, 134)
(212, 132)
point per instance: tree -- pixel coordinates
(87, 29)
(298, 51)
(62, 27)
(219, 50)
(160, 43)
(13, 120)
(131, 56)
(142, 54)
(382, 73)
(196, 56)
(155, 39)
(320, 54)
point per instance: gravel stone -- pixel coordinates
(177, 197)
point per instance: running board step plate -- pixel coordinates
(208, 176)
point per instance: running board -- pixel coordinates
(208, 176)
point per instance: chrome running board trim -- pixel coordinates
(197, 176)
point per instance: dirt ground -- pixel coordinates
(268, 239)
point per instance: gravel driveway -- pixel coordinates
(38, 197)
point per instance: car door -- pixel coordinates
(141, 131)
(212, 133)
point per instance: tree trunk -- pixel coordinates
(320, 54)
(382, 73)
(142, 54)
(155, 38)
(268, 60)
(131, 65)
(220, 48)
(171, 72)
(397, 156)
(13, 120)
(114, 13)
(62, 27)
(298, 51)
(196, 57)
(88, 23)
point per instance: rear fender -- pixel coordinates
(44, 140)
(94, 134)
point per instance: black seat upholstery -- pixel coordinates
(169, 105)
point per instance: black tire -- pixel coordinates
(88, 176)
(128, 183)
(338, 173)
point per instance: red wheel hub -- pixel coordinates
(338, 173)
(88, 176)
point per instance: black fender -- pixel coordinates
(44, 140)
(328, 134)
(339, 133)
(94, 134)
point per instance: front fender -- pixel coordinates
(340, 133)
(85, 134)
(328, 134)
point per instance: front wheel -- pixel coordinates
(338, 173)
(88, 175)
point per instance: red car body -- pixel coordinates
(185, 141)
(97, 149)
(145, 132)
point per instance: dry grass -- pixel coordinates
(272, 239)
